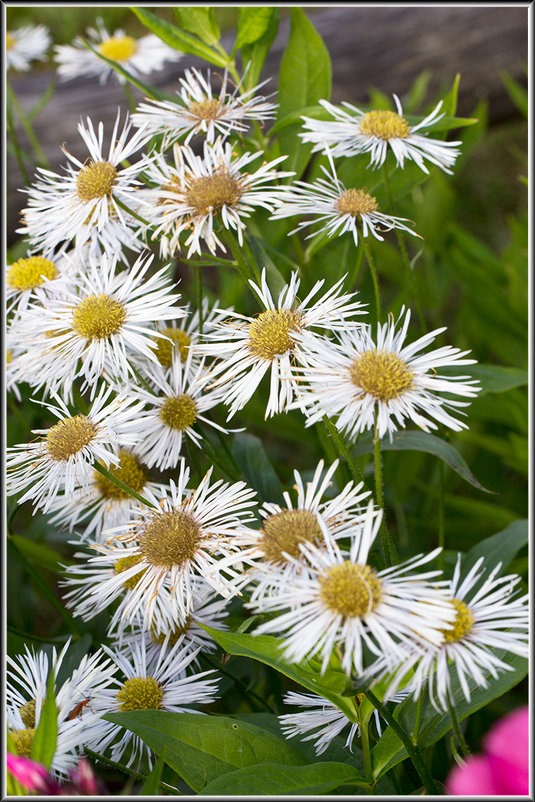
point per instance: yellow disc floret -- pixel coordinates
(270, 333)
(166, 349)
(350, 590)
(384, 125)
(130, 470)
(178, 412)
(140, 693)
(118, 48)
(26, 274)
(169, 538)
(70, 436)
(98, 317)
(22, 741)
(10, 40)
(356, 202)
(210, 193)
(285, 530)
(208, 109)
(95, 180)
(382, 374)
(123, 563)
(463, 622)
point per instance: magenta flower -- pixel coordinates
(503, 769)
(35, 777)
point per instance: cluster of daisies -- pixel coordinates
(135, 382)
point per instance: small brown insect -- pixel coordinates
(77, 709)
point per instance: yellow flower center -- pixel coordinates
(350, 590)
(123, 563)
(70, 436)
(26, 274)
(381, 374)
(384, 125)
(22, 741)
(210, 193)
(98, 317)
(118, 48)
(205, 109)
(27, 714)
(10, 40)
(169, 538)
(463, 622)
(9, 356)
(178, 412)
(95, 180)
(284, 531)
(175, 634)
(140, 693)
(166, 349)
(356, 202)
(269, 334)
(130, 470)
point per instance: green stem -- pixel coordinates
(242, 266)
(366, 756)
(26, 124)
(199, 288)
(129, 97)
(390, 554)
(342, 448)
(356, 269)
(101, 469)
(403, 249)
(412, 750)
(459, 737)
(16, 146)
(43, 586)
(418, 718)
(441, 515)
(126, 208)
(371, 263)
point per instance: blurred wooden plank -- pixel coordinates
(382, 46)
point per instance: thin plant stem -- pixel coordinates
(357, 267)
(417, 719)
(342, 448)
(403, 249)
(129, 97)
(389, 550)
(137, 216)
(373, 271)
(26, 124)
(101, 469)
(459, 737)
(199, 287)
(16, 146)
(67, 617)
(366, 756)
(441, 515)
(412, 750)
(242, 266)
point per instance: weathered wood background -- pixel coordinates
(385, 47)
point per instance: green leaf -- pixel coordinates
(449, 104)
(271, 778)
(254, 55)
(37, 553)
(249, 453)
(275, 280)
(305, 78)
(46, 735)
(253, 22)
(388, 752)
(200, 748)
(268, 650)
(501, 547)
(151, 786)
(498, 379)
(178, 39)
(516, 92)
(199, 20)
(421, 441)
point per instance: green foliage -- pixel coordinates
(45, 736)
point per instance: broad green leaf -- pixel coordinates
(149, 91)
(275, 281)
(37, 553)
(199, 20)
(316, 112)
(501, 547)
(422, 441)
(177, 38)
(305, 78)
(498, 379)
(253, 22)
(46, 735)
(268, 650)
(449, 104)
(272, 778)
(201, 747)
(388, 752)
(249, 453)
(254, 55)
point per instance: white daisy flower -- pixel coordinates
(90, 329)
(207, 609)
(84, 205)
(338, 208)
(26, 44)
(200, 110)
(249, 347)
(106, 505)
(284, 528)
(187, 534)
(31, 279)
(176, 404)
(340, 602)
(139, 57)
(148, 684)
(27, 677)
(322, 720)
(357, 380)
(489, 616)
(200, 191)
(355, 131)
(60, 460)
